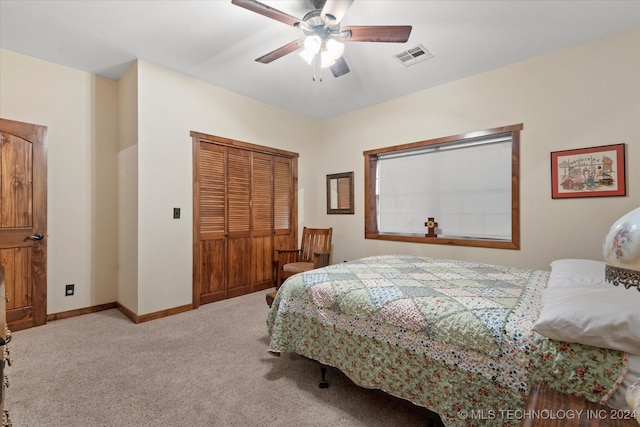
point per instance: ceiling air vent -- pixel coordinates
(413, 56)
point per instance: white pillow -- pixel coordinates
(576, 272)
(582, 308)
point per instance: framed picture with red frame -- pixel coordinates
(588, 172)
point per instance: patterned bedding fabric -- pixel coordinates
(452, 336)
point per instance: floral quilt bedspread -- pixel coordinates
(453, 336)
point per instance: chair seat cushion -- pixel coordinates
(297, 267)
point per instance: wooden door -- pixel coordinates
(261, 221)
(210, 241)
(23, 222)
(285, 207)
(238, 221)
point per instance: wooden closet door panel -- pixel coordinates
(211, 223)
(284, 206)
(261, 195)
(239, 260)
(283, 194)
(238, 221)
(238, 193)
(211, 206)
(262, 273)
(213, 259)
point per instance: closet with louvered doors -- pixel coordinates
(244, 207)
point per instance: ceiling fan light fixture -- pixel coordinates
(334, 48)
(330, 50)
(308, 58)
(312, 44)
(326, 61)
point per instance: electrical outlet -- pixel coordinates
(69, 290)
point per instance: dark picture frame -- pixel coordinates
(340, 193)
(588, 172)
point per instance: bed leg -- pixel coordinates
(323, 381)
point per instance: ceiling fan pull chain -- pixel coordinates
(316, 67)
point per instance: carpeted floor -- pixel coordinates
(205, 367)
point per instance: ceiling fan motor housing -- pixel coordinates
(317, 4)
(314, 23)
(313, 19)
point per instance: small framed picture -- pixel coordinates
(340, 193)
(588, 172)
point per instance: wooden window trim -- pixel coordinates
(370, 165)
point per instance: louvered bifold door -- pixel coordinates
(238, 221)
(262, 271)
(284, 171)
(244, 209)
(212, 228)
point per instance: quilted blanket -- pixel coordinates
(453, 336)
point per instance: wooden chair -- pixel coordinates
(314, 252)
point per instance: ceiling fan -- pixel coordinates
(323, 42)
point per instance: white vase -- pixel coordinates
(633, 399)
(621, 250)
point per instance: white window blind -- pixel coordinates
(465, 186)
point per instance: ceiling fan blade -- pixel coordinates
(379, 33)
(267, 11)
(281, 51)
(336, 9)
(340, 67)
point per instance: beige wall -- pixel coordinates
(170, 105)
(119, 161)
(584, 96)
(135, 134)
(127, 291)
(80, 112)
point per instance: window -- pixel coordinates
(468, 183)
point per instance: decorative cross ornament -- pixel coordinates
(431, 225)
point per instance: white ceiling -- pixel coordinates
(218, 42)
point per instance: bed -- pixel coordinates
(456, 337)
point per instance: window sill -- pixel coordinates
(478, 243)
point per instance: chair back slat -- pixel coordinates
(314, 240)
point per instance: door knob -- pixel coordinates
(36, 237)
